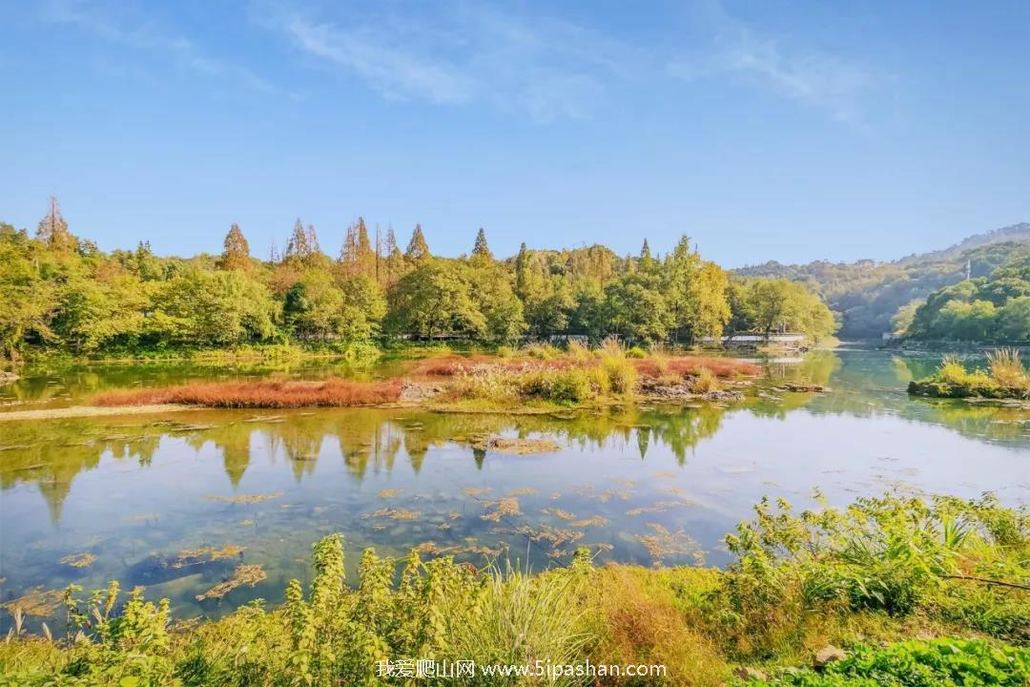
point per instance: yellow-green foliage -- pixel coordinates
(874, 572)
(952, 371)
(1007, 379)
(559, 386)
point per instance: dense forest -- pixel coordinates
(62, 293)
(869, 294)
(995, 308)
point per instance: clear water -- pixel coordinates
(645, 485)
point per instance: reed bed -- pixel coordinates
(262, 394)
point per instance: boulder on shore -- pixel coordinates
(828, 654)
(7, 377)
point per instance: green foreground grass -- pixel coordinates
(868, 578)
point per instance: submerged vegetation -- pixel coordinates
(953, 572)
(65, 297)
(1006, 377)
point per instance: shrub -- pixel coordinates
(541, 351)
(559, 386)
(934, 663)
(704, 381)
(1007, 368)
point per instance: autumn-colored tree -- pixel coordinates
(236, 255)
(418, 249)
(303, 244)
(53, 229)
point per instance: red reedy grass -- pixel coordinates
(262, 394)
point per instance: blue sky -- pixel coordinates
(764, 130)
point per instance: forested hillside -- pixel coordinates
(995, 308)
(869, 294)
(61, 293)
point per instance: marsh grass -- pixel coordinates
(1007, 368)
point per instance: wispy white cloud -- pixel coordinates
(118, 23)
(467, 55)
(371, 54)
(821, 80)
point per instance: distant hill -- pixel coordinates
(868, 293)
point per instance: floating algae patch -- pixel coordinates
(242, 575)
(663, 544)
(246, 498)
(39, 602)
(79, 560)
(402, 514)
(477, 491)
(522, 491)
(449, 520)
(593, 521)
(508, 506)
(388, 493)
(550, 535)
(560, 514)
(204, 554)
(156, 569)
(656, 507)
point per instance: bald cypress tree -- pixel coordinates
(645, 252)
(481, 251)
(53, 230)
(236, 255)
(418, 249)
(303, 243)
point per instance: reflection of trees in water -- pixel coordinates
(50, 454)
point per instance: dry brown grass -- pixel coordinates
(262, 394)
(640, 623)
(690, 365)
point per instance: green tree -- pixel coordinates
(29, 299)
(638, 310)
(203, 308)
(496, 300)
(314, 307)
(481, 251)
(435, 299)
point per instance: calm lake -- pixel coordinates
(175, 503)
